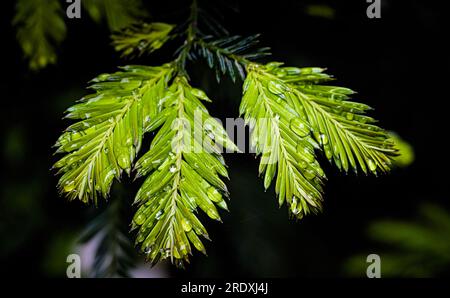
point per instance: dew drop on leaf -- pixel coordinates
(159, 214)
(324, 139)
(372, 165)
(299, 127)
(139, 219)
(309, 174)
(328, 152)
(214, 195)
(186, 225)
(275, 88)
(123, 161)
(69, 186)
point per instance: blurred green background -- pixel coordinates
(396, 63)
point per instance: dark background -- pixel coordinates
(398, 64)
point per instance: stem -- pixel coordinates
(190, 33)
(213, 48)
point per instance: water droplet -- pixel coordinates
(173, 169)
(186, 225)
(123, 161)
(179, 263)
(142, 45)
(309, 174)
(275, 88)
(299, 127)
(328, 152)
(159, 214)
(148, 250)
(212, 213)
(69, 186)
(372, 165)
(303, 164)
(106, 150)
(324, 139)
(214, 194)
(139, 219)
(294, 201)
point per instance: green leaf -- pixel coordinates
(183, 168)
(144, 38)
(348, 137)
(406, 154)
(108, 135)
(229, 55)
(282, 138)
(117, 13)
(40, 27)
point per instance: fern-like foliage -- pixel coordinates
(184, 166)
(348, 136)
(284, 140)
(291, 111)
(118, 14)
(412, 248)
(144, 38)
(108, 135)
(40, 27)
(114, 254)
(229, 55)
(286, 109)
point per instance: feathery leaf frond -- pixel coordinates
(108, 136)
(117, 13)
(346, 134)
(115, 254)
(282, 136)
(139, 39)
(414, 248)
(184, 166)
(40, 27)
(229, 55)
